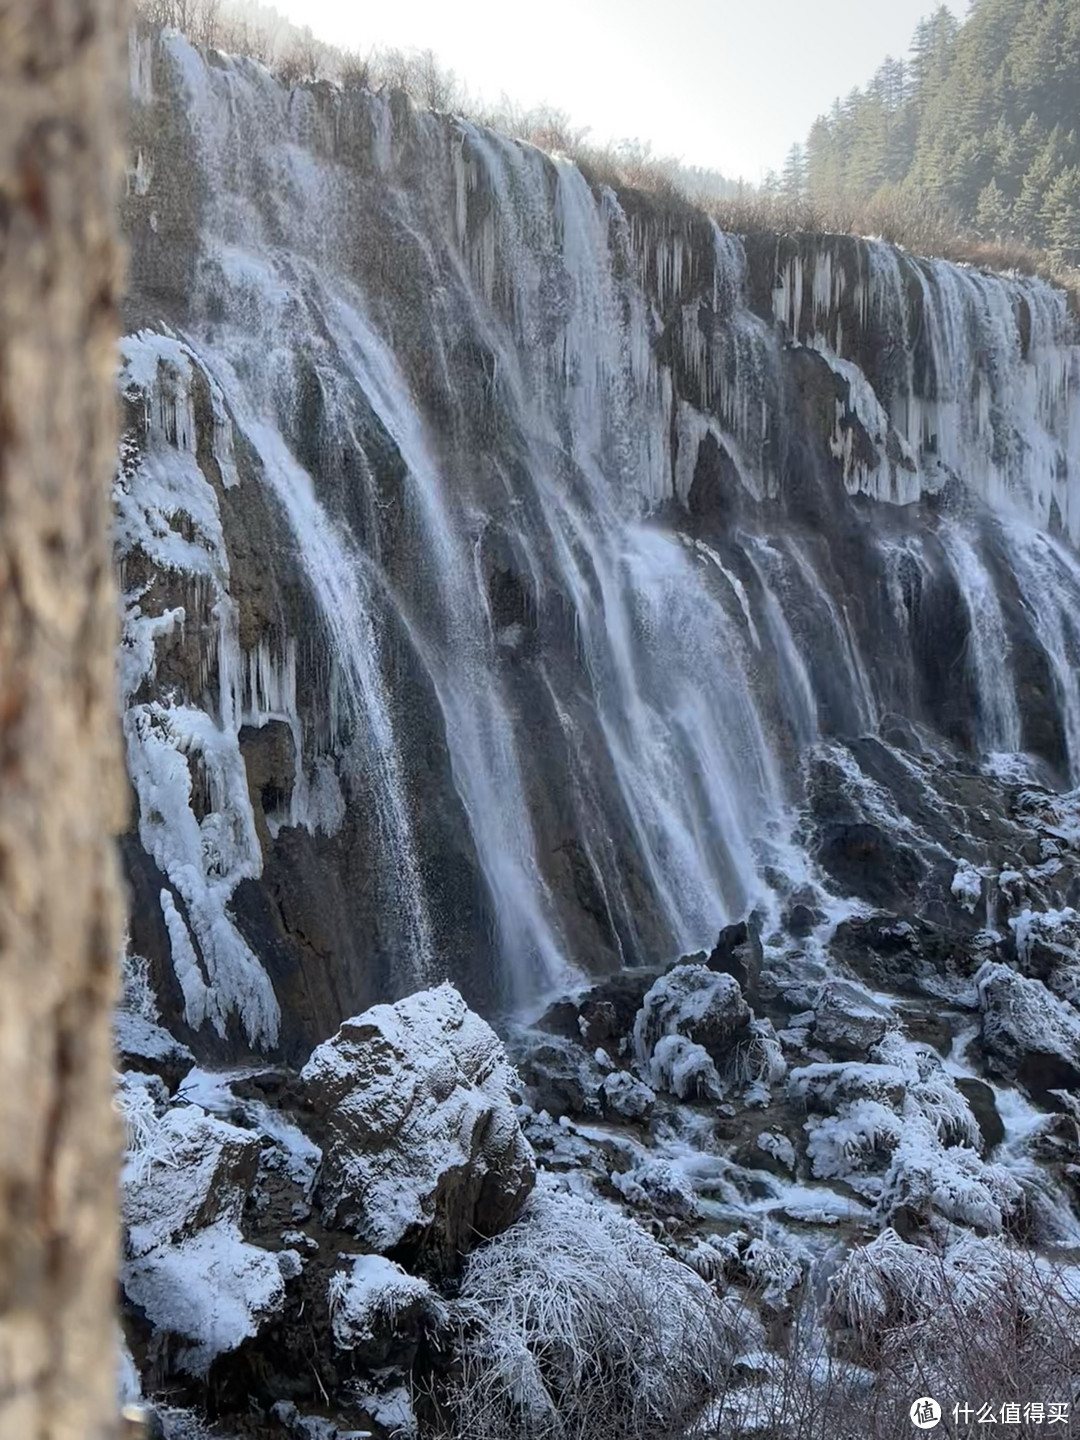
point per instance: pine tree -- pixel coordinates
(981, 122)
(793, 177)
(1060, 217)
(992, 212)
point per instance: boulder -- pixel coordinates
(738, 953)
(187, 1264)
(1028, 1034)
(378, 1311)
(626, 1098)
(869, 861)
(422, 1145)
(704, 1006)
(659, 1187)
(183, 1173)
(560, 1077)
(848, 1021)
(603, 1015)
(145, 1046)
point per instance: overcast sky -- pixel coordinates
(727, 84)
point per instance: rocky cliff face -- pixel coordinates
(507, 563)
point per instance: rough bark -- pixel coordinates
(61, 94)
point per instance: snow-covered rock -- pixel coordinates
(1028, 1034)
(187, 1265)
(693, 1001)
(848, 1020)
(967, 886)
(684, 1069)
(923, 1178)
(626, 1097)
(824, 1088)
(374, 1303)
(142, 1044)
(212, 1290)
(421, 1138)
(657, 1185)
(190, 1171)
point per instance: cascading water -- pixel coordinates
(536, 448)
(999, 715)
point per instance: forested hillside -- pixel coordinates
(980, 121)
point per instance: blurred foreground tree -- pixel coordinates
(62, 87)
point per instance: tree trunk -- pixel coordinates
(62, 88)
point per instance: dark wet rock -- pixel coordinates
(738, 953)
(980, 1097)
(270, 757)
(801, 919)
(559, 1075)
(928, 1027)
(902, 955)
(868, 861)
(603, 1017)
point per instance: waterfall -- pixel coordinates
(536, 450)
(999, 715)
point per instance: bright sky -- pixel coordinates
(727, 84)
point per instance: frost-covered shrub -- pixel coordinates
(140, 1101)
(859, 1136)
(954, 1183)
(137, 995)
(757, 1062)
(576, 1323)
(902, 1134)
(928, 1310)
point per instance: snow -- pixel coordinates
(128, 1383)
(142, 1039)
(934, 1291)
(955, 1183)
